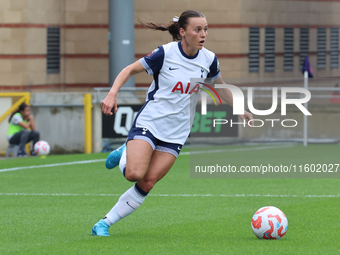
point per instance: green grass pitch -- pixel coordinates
(51, 210)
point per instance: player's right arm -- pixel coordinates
(110, 100)
(24, 125)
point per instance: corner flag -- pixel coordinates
(307, 67)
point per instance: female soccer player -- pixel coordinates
(18, 133)
(162, 126)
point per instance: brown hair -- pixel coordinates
(174, 26)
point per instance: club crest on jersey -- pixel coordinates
(179, 88)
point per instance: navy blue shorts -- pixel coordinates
(158, 145)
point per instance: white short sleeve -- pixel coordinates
(16, 119)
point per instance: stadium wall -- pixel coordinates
(63, 126)
(59, 118)
(322, 125)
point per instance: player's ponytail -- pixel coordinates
(174, 26)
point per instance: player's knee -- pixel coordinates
(25, 131)
(133, 176)
(36, 134)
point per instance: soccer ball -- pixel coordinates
(42, 148)
(269, 222)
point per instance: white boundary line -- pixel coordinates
(51, 165)
(183, 153)
(170, 195)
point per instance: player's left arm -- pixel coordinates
(226, 95)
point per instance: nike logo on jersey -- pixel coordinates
(179, 148)
(170, 68)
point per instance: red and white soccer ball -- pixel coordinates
(42, 148)
(269, 222)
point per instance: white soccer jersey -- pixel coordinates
(166, 112)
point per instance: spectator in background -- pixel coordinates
(18, 132)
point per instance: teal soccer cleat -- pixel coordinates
(100, 229)
(114, 157)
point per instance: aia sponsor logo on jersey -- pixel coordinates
(185, 89)
(181, 89)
